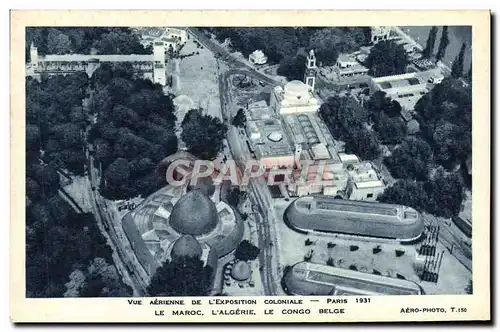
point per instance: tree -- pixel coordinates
(446, 194)
(405, 192)
(328, 43)
(442, 196)
(390, 130)
(431, 40)
(458, 65)
(379, 102)
(117, 174)
(452, 144)
(185, 276)
(443, 44)
(203, 134)
(293, 68)
(246, 251)
(410, 160)
(239, 119)
(58, 42)
(235, 196)
(387, 58)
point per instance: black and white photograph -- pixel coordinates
(169, 162)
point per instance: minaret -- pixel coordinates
(34, 56)
(310, 75)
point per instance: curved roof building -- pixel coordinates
(194, 214)
(171, 223)
(241, 271)
(306, 278)
(186, 246)
(370, 219)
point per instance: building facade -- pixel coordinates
(150, 65)
(406, 89)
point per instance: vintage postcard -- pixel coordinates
(250, 166)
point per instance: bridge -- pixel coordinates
(151, 65)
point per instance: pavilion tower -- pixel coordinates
(34, 56)
(310, 74)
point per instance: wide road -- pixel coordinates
(259, 192)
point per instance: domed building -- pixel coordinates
(194, 214)
(186, 246)
(173, 223)
(241, 271)
(295, 97)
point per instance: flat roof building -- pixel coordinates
(359, 218)
(365, 182)
(406, 89)
(270, 143)
(305, 278)
(348, 67)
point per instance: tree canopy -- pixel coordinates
(203, 134)
(387, 58)
(441, 196)
(431, 41)
(84, 40)
(410, 160)
(386, 117)
(134, 131)
(55, 121)
(445, 116)
(239, 119)
(347, 120)
(246, 251)
(184, 276)
(443, 44)
(293, 68)
(457, 67)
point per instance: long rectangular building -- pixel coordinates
(369, 219)
(305, 278)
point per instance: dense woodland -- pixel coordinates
(62, 246)
(135, 130)
(84, 40)
(429, 164)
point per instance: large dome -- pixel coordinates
(296, 89)
(194, 214)
(186, 246)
